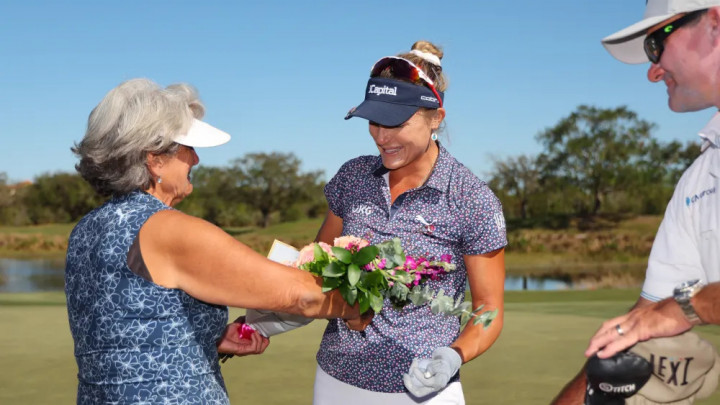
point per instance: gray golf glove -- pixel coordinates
(431, 375)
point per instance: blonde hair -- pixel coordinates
(433, 71)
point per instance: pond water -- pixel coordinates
(515, 283)
(34, 275)
(31, 275)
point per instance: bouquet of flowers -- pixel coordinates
(367, 274)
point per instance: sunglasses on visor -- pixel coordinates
(404, 69)
(654, 41)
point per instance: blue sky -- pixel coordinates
(280, 75)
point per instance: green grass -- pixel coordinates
(539, 350)
(47, 230)
(641, 224)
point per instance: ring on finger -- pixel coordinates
(619, 330)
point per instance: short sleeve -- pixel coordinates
(335, 189)
(674, 257)
(483, 219)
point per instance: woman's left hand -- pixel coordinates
(359, 324)
(231, 343)
(431, 375)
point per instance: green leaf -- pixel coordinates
(334, 269)
(349, 293)
(397, 245)
(365, 255)
(320, 254)
(427, 294)
(486, 318)
(416, 296)
(398, 259)
(330, 284)
(376, 301)
(403, 277)
(342, 254)
(441, 304)
(399, 292)
(462, 308)
(354, 273)
(464, 318)
(363, 302)
(375, 279)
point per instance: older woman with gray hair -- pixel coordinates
(147, 286)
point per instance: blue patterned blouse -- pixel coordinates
(136, 342)
(453, 213)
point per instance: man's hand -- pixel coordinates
(230, 343)
(660, 319)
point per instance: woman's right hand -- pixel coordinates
(231, 343)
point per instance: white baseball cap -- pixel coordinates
(626, 45)
(685, 368)
(202, 135)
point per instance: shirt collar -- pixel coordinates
(711, 133)
(440, 176)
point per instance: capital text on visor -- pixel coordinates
(390, 91)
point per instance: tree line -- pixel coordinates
(255, 190)
(594, 161)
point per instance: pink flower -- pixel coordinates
(327, 248)
(245, 331)
(446, 258)
(307, 254)
(351, 242)
(410, 263)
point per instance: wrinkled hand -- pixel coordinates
(661, 319)
(359, 324)
(231, 344)
(430, 375)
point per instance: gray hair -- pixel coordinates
(135, 118)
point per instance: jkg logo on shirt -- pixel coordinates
(362, 209)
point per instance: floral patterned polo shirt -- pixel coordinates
(452, 213)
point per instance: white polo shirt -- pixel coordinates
(687, 245)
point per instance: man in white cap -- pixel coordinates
(681, 39)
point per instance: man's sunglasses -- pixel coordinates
(401, 68)
(654, 41)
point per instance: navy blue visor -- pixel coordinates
(391, 102)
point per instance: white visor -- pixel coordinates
(202, 135)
